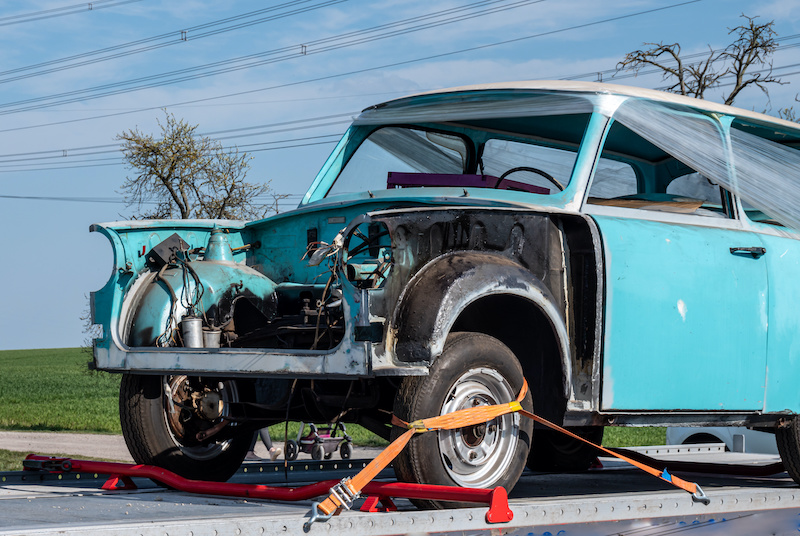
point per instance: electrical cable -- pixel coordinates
(62, 11)
(254, 60)
(120, 163)
(106, 200)
(775, 68)
(37, 161)
(59, 153)
(175, 37)
(364, 70)
(614, 72)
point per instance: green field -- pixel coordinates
(53, 390)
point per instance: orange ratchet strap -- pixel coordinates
(697, 493)
(343, 494)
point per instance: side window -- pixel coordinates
(532, 167)
(634, 173)
(696, 187)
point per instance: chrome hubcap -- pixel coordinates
(478, 455)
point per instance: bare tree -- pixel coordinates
(747, 61)
(190, 176)
(788, 113)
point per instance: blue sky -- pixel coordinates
(282, 89)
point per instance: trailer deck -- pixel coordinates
(612, 500)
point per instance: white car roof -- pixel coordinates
(600, 88)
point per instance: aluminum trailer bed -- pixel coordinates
(616, 499)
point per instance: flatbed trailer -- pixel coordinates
(614, 499)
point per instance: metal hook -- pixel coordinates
(315, 515)
(700, 496)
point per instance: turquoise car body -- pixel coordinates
(687, 313)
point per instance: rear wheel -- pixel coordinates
(697, 439)
(162, 415)
(788, 440)
(473, 370)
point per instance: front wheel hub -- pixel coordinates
(209, 404)
(190, 409)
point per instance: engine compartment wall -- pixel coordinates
(223, 284)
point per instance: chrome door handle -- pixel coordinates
(756, 252)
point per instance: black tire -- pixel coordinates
(317, 451)
(474, 369)
(291, 449)
(554, 451)
(697, 439)
(152, 440)
(346, 450)
(788, 440)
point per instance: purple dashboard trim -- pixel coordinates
(407, 180)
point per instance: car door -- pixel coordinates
(686, 305)
(782, 257)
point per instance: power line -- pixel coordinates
(616, 76)
(121, 162)
(10, 166)
(172, 38)
(318, 46)
(62, 199)
(59, 168)
(114, 200)
(362, 71)
(694, 55)
(255, 145)
(114, 147)
(62, 11)
(400, 63)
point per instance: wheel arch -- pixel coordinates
(530, 334)
(456, 291)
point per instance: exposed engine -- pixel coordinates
(212, 302)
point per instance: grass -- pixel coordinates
(53, 390)
(616, 436)
(11, 461)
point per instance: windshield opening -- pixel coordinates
(400, 150)
(413, 157)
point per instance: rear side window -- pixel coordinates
(613, 179)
